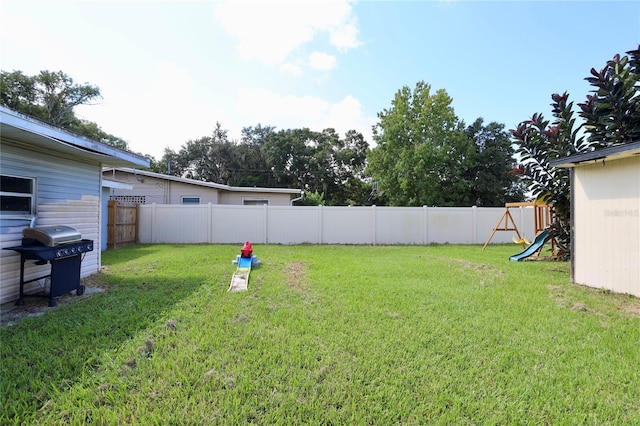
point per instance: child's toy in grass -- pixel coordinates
(535, 247)
(245, 261)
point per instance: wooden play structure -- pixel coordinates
(542, 217)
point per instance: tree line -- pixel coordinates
(51, 97)
(424, 155)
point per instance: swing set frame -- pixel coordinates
(542, 218)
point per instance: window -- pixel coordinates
(255, 201)
(17, 196)
(190, 200)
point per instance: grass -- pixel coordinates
(327, 335)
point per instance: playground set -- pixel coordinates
(245, 261)
(542, 216)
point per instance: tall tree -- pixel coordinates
(254, 170)
(51, 97)
(59, 95)
(415, 138)
(210, 158)
(489, 177)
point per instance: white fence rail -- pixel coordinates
(219, 224)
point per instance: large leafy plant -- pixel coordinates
(611, 116)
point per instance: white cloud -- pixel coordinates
(291, 69)
(295, 112)
(345, 37)
(270, 31)
(322, 61)
(162, 111)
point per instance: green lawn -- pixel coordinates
(327, 335)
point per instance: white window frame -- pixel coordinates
(193, 197)
(30, 196)
(255, 201)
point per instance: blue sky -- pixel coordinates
(169, 70)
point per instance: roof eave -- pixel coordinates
(21, 128)
(606, 154)
(207, 184)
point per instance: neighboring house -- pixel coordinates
(605, 215)
(150, 187)
(49, 177)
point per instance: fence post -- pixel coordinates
(425, 225)
(474, 224)
(137, 224)
(112, 205)
(153, 223)
(266, 223)
(375, 225)
(209, 223)
(320, 230)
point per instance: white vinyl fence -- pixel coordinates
(219, 224)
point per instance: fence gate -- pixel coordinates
(122, 225)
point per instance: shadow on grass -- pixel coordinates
(70, 340)
(132, 252)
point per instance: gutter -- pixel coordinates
(297, 199)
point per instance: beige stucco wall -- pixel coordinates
(607, 225)
(162, 191)
(235, 198)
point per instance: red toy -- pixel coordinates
(246, 250)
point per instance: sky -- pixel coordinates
(168, 71)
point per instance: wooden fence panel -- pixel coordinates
(122, 225)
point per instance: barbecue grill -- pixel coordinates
(62, 247)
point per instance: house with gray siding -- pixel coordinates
(605, 217)
(50, 177)
(157, 188)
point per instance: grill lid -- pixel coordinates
(52, 235)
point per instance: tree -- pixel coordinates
(611, 116)
(612, 113)
(51, 97)
(254, 170)
(425, 156)
(59, 94)
(91, 130)
(209, 159)
(319, 162)
(19, 92)
(491, 182)
(538, 144)
(411, 139)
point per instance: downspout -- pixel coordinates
(297, 199)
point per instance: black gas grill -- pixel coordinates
(61, 246)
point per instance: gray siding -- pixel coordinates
(68, 193)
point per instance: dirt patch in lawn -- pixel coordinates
(11, 314)
(296, 275)
(632, 308)
(486, 274)
(475, 266)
